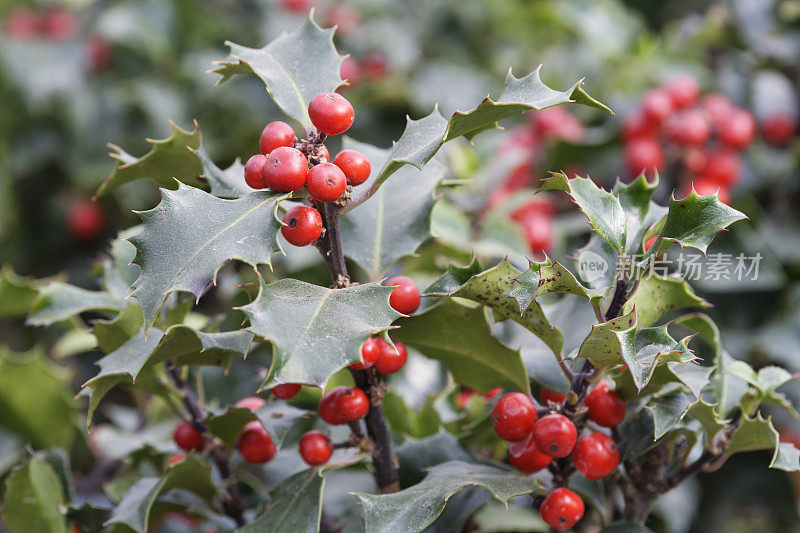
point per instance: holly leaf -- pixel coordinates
(554, 278)
(228, 425)
(279, 418)
(36, 399)
(729, 388)
(459, 336)
(669, 409)
(422, 138)
(396, 220)
(168, 160)
(181, 344)
(640, 211)
(612, 342)
(291, 82)
(602, 208)
(295, 505)
(694, 376)
(786, 457)
(653, 346)
(33, 499)
(315, 331)
(111, 334)
(59, 301)
(491, 288)
(16, 293)
(706, 414)
(418, 506)
(190, 234)
(751, 434)
(228, 183)
(705, 328)
(657, 296)
(453, 278)
(694, 221)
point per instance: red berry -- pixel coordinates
(345, 18)
(391, 359)
(286, 391)
(549, 396)
(286, 169)
(596, 455)
(254, 403)
(59, 24)
(327, 407)
(254, 172)
(562, 509)
(538, 232)
(187, 437)
(22, 24)
(370, 353)
(323, 153)
(464, 396)
(722, 166)
(176, 458)
(302, 225)
(275, 135)
(351, 404)
(737, 128)
(513, 416)
(85, 220)
(683, 91)
(778, 129)
(331, 113)
(297, 6)
(326, 182)
(644, 154)
(405, 298)
(554, 435)
(636, 126)
(99, 52)
(695, 159)
(350, 71)
(657, 105)
(315, 448)
(355, 166)
(557, 123)
(492, 393)
(255, 444)
(689, 128)
(524, 456)
(375, 65)
(606, 407)
(705, 185)
(539, 207)
(717, 106)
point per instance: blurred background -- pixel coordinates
(706, 92)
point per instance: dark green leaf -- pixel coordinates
(753, 433)
(453, 278)
(611, 342)
(694, 376)
(658, 296)
(228, 425)
(706, 414)
(295, 506)
(16, 293)
(668, 410)
(33, 499)
(653, 346)
(60, 301)
(228, 183)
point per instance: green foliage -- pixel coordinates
(295, 505)
(33, 499)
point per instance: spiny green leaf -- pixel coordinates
(190, 234)
(694, 376)
(611, 342)
(16, 293)
(111, 334)
(654, 346)
(640, 211)
(669, 409)
(33, 499)
(228, 183)
(279, 419)
(295, 68)
(786, 457)
(60, 301)
(460, 337)
(694, 221)
(557, 279)
(728, 387)
(418, 506)
(315, 331)
(170, 159)
(228, 424)
(706, 414)
(453, 278)
(753, 433)
(528, 283)
(396, 220)
(422, 138)
(705, 327)
(295, 505)
(657, 296)
(772, 377)
(602, 208)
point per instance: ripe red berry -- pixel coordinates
(549, 396)
(85, 220)
(492, 393)
(722, 166)
(254, 172)
(405, 298)
(375, 65)
(737, 128)
(22, 24)
(286, 169)
(683, 91)
(254, 403)
(345, 18)
(556, 123)
(370, 353)
(657, 105)
(644, 154)
(315, 448)
(717, 106)
(296, 6)
(286, 391)
(689, 128)
(562, 509)
(606, 407)
(351, 404)
(59, 24)
(99, 52)
(705, 185)
(255, 444)
(554, 435)
(327, 407)
(350, 71)
(355, 166)
(326, 182)
(538, 232)
(777, 129)
(524, 456)
(391, 359)
(513, 416)
(302, 225)
(331, 113)
(275, 135)
(187, 437)
(695, 159)
(637, 126)
(324, 154)
(596, 455)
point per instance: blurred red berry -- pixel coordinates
(737, 128)
(187, 437)
(85, 220)
(718, 106)
(722, 166)
(345, 18)
(255, 444)
(689, 127)
(683, 91)
(22, 24)
(557, 123)
(704, 185)
(59, 24)
(350, 71)
(100, 53)
(549, 396)
(254, 403)
(297, 6)
(286, 391)
(374, 65)
(778, 129)
(315, 448)
(644, 154)
(649, 242)
(638, 125)
(657, 105)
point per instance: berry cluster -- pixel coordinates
(702, 138)
(536, 441)
(287, 165)
(55, 23)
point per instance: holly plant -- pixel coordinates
(231, 396)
